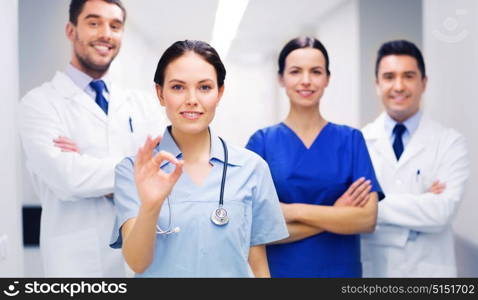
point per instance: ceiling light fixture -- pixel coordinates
(228, 17)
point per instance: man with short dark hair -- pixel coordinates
(422, 168)
(74, 130)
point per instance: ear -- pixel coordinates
(425, 81)
(280, 79)
(377, 87)
(221, 92)
(159, 93)
(70, 31)
(328, 80)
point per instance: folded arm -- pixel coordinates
(299, 231)
(336, 219)
(354, 211)
(70, 174)
(431, 211)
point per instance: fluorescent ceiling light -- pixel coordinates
(228, 17)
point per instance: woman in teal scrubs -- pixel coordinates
(166, 196)
(322, 172)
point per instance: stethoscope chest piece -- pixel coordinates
(219, 216)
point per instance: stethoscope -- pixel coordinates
(219, 216)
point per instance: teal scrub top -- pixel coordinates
(201, 248)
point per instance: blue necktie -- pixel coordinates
(398, 130)
(99, 86)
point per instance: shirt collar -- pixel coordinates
(217, 151)
(82, 80)
(411, 123)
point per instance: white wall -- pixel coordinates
(43, 45)
(251, 99)
(340, 104)
(254, 99)
(451, 54)
(352, 33)
(135, 64)
(382, 21)
(41, 25)
(11, 261)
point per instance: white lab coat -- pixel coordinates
(413, 237)
(77, 219)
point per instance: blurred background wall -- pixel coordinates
(352, 31)
(11, 250)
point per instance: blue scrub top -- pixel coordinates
(201, 248)
(318, 175)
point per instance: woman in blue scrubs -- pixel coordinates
(166, 196)
(322, 173)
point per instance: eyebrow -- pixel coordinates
(176, 80)
(95, 16)
(297, 67)
(92, 16)
(180, 81)
(406, 72)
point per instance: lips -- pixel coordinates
(191, 115)
(305, 93)
(399, 98)
(102, 48)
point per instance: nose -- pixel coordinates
(105, 32)
(191, 98)
(398, 84)
(305, 80)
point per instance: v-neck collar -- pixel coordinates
(300, 140)
(216, 157)
(216, 153)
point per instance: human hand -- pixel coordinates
(356, 195)
(66, 144)
(437, 187)
(153, 184)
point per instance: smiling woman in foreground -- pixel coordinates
(190, 205)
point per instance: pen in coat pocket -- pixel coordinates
(418, 174)
(131, 124)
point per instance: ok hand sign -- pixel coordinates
(153, 184)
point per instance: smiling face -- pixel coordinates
(96, 38)
(400, 86)
(190, 93)
(305, 77)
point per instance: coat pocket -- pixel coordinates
(387, 235)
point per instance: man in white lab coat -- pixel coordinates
(422, 167)
(74, 130)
